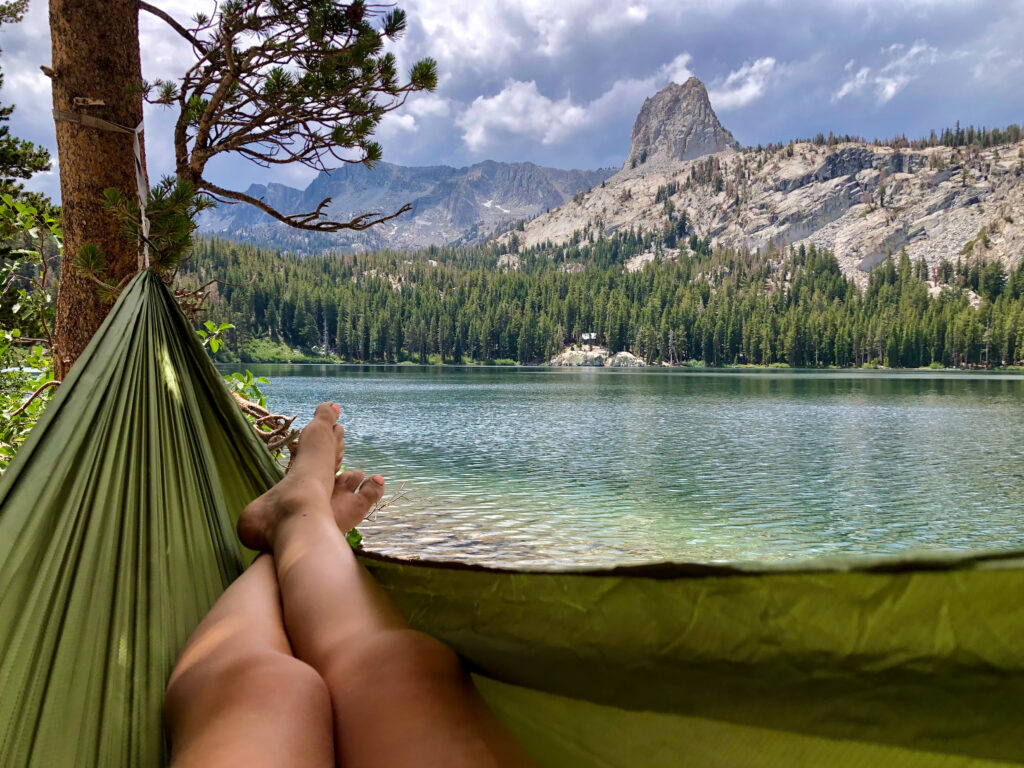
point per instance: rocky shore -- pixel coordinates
(595, 357)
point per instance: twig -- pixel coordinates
(33, 396)
(388, 501)
(191, 301)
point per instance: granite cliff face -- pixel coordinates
(860, 200)
(448, 204)
(675, 125)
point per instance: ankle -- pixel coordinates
(311, 519)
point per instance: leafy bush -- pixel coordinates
(26, 316)
(26, 386)
(263, 350)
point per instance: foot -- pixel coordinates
(308, 486)
(354, 498)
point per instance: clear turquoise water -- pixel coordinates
(536, 466)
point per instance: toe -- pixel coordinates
(372, 489)
(328, 412)
(318, 446)
(348, 481)
(339, 445)
(354, 498)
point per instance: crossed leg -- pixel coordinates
(238, 696)
(395, 697)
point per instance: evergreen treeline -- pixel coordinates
(957, 136)
(717, 306)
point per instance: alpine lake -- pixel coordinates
(582, 467)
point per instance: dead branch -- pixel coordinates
(169, 21)
(273, 429)
(33, 396)
(192, 300)
(309, 221)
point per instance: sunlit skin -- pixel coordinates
(304, 661)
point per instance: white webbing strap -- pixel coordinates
(140, 175)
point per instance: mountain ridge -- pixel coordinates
(448, 204)
(861, 200)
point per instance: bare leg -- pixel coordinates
(399, 697)
(237, 696)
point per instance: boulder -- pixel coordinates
(624, 360)
(579, 358)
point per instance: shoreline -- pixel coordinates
(1013, 371)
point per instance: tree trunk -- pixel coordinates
(95, 57)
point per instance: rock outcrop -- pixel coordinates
(861, 201)
(624, 360)
(576, 358)
(596, 357)
(675, 125)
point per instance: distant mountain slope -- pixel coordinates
(861, 200)
(448, 204)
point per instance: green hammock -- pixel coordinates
(116, 535)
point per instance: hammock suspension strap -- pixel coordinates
(140, 175)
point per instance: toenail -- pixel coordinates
(378, 479)
(337, 408)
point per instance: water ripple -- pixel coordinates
(537, 467)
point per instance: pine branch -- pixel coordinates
(289, 82)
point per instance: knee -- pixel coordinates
(212, 683)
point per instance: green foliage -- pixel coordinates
(248, 386)
(13, 11)
(212, 334)
(30, 242)
(26, 315)
(265, 350)
(25, 389)
(172, 210)
(27, 289)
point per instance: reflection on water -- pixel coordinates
(600, 467)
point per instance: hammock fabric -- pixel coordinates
(116, 535)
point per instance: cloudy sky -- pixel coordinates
(559, 82)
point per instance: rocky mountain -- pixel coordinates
(449, 205)
(675, 125)
(863, 201)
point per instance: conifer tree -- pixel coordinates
(274, 81)
(19, 159)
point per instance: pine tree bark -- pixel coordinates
(95, 57)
